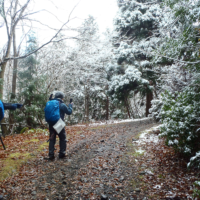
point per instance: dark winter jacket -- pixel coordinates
(64, 109)
(9, 106)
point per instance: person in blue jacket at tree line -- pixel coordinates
(59, 96)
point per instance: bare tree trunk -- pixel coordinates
(14, 80)
(15, 62)
(149, 97)
(130, 107)
(3, 125)
(127, 107)
(86, 117)
(87, 107)
(3, 67)
(10, 36)
(136, 107)
(107, 108)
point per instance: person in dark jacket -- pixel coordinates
(8, 106)
(11, 106)
(59, 96)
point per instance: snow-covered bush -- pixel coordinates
(178, 51)
(196, 190)
(155, 109)
(118, 114)
(124, 83)
(195, 160)
(181, 118)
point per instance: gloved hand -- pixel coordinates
(71, 104)
(51, 96)
(19, 105)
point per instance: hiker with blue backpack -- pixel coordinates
(55, 111)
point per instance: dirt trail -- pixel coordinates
(97, 167)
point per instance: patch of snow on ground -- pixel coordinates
(149, 172)
(145, 137)
(140, 151)
(79, 125)
(115, 122)
(170, 195)
(157, 186)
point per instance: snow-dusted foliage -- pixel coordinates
(173, 79)
(178, 51)
(91, 53)
(132, 12)
(155, 109)
(52, 64)
(179, 32)
(135, 24)
(195, 161)
(180, 118)
(78, 71)
(124, 83)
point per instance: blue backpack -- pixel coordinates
(1, 110)
(52, 111)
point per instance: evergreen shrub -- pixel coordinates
(196, 191)
(180, 120)
(156, 105)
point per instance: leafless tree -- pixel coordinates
(14, 14)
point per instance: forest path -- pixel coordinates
(97, 167)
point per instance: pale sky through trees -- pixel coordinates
(103, 11)
(54, 13)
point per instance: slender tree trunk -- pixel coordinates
(2, 72)
(14, 80)
(107, 108)
(15, 62)
(3, 67)
(127, 107)
(3, 125)
(130, 108)
(149, 97)
(86, 105)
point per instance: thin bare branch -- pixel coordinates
(21, 13)
(5, 19)
(51, 40)
(73, 10)
(39, 23)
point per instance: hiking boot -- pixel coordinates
(63, 156)
(50, 158)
